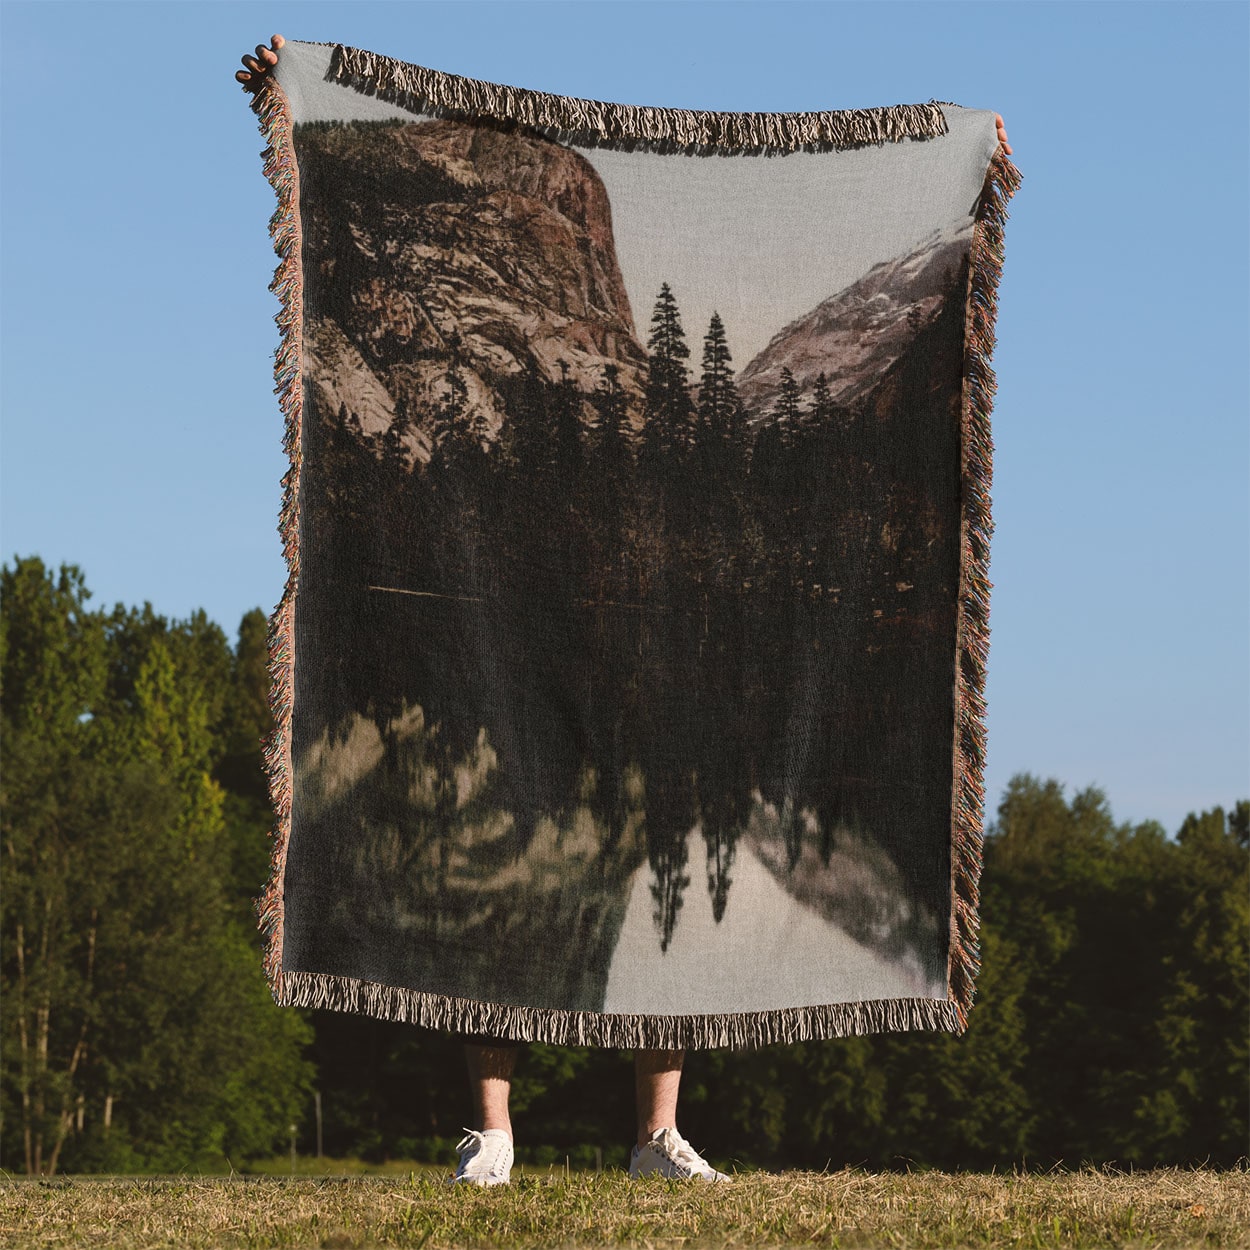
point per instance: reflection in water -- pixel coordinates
(405, 868)
(769, 949)
(408, 868)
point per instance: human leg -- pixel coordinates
(657, 1079)
(491, 1062)
(661, 1149)
(486, 1153)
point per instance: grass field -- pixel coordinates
(849, 1208)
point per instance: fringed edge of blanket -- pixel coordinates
(628, 126)
(273, 111)
(734, 1031)
(973, 626)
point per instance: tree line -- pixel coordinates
(138, 1033)
(686, 467)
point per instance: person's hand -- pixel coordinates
(998, 117)
(253, 78)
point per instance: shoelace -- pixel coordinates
(683, 1153)
(492, 1162)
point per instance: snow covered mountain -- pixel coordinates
(854, 337)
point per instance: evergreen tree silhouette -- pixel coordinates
(335, 467)
(613, 465)
(566, 405)
(532, 443)
(786, 411)
(668, 410)
(480, 426)
(615, 438)
(821, 409)
(716, 387)
(394, 441)
(451, 432)
(766, 458)
(722, 419)
(335, 490)
(667, 854)
(720, 858)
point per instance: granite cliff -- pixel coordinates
(420, 227)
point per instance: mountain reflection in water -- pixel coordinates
(769, 950)
(408, 870)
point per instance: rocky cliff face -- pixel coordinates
(413, 230)
(856, 335)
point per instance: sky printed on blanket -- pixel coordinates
(761, 240)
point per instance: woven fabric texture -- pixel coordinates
(628, 678)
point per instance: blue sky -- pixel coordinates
(141, 438)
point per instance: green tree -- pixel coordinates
(137, 1006)
(1135, 949)
(239, 768)
(1199, 1104)
(1108, 1025)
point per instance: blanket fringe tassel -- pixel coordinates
(735, 1031)
(680, 129)
(973, 629)
(273, 112)
(629, 127)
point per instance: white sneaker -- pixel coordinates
(668, 1153)
(485, 1158)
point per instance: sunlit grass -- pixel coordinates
(849, 1208)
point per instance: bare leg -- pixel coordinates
(490, 1079)
(657, 1077)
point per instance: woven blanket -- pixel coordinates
(628, 677)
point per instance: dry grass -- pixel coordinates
(850, 1208)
